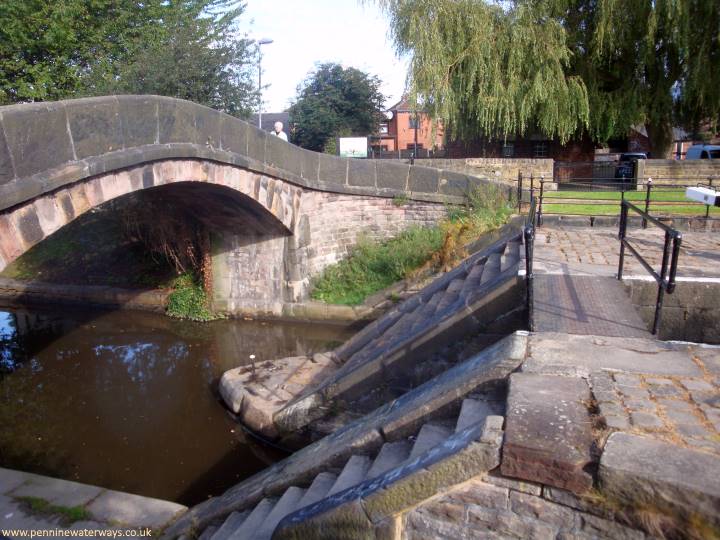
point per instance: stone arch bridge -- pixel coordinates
(278, 214)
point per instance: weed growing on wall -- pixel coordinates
(189, 300)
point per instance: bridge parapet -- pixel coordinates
(45, 146)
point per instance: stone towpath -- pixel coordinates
(103, 508)
(575, 287)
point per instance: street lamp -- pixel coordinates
(261, 42)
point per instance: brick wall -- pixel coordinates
(254, 274)
(331, 225)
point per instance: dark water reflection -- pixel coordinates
(128, 400)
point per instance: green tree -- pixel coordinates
(562, 66)
(334, 101)
(194, 55)
(48, 48)
(179, 48)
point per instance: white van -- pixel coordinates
(703, 151)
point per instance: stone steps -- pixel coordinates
(492, 268)
(429, 437)
(254, 521)
(511, 256)
(353, 473)
(416, 420)
(230, 525)
(390, 456)
(261, 521)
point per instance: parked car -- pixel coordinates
(626, 164)
(703, 151)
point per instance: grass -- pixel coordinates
(68, 514)
(189, 300)
(373, 265)
(662, 202)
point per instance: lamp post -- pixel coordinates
(261, 42)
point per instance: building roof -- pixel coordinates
(678, 133)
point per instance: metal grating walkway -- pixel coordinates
(586, 305)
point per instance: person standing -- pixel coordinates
(278, 131)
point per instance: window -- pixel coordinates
(413, 122)
(540, 150)
(704, 155)
(508, 150)
(411, 146)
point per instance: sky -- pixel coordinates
(308, 32)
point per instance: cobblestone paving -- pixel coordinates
(595, 250)
(681, 410)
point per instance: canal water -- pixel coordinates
(128, 400)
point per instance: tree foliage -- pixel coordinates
(334, 101)
(562, 66)
(180, 48)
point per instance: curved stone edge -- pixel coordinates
(44, 146)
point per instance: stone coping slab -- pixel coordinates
(639, 471)
(107, 506)
(576, 355)
(257, 392)
(548, 432)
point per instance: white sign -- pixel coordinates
(353, 147)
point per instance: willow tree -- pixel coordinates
(561, 67)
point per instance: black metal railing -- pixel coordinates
(529, 240)
(668, 269)
(595, 197)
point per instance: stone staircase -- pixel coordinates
(304, 398)
(397, 442)
(461, 303)
(260, 521)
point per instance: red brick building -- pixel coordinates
(398, 132)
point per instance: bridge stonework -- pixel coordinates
(279, 214)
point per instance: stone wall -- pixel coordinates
(256, 274)
(503, 169)
(494, 505)
(690, 313)
(670, 171)
(332, 224)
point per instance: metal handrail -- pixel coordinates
(529, 237)
(668, 270)
(549, 198)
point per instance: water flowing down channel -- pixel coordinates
(128, 400)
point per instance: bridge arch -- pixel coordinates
(237, 200)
